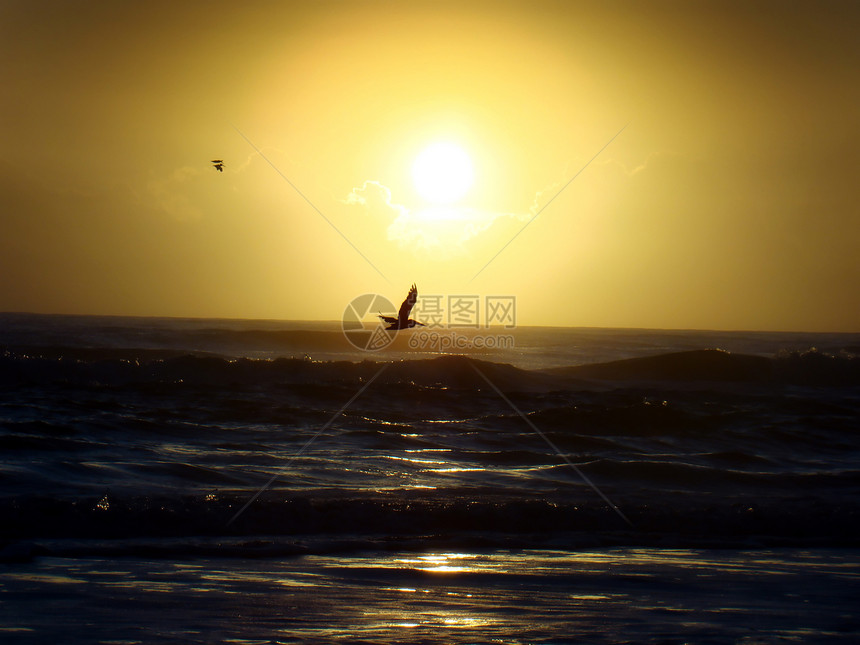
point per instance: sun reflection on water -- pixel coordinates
(607, 595)
(448, 563)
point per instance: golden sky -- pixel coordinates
(729, 200)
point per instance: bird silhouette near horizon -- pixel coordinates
(403, 321)
(218, 164)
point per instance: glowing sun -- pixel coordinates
(442, 173)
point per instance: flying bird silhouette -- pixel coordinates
(218, 164)
(403, 321)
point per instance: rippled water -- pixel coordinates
(606, 596)
(583, 485)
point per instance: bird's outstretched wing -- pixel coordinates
(407, 305)
(388, 319)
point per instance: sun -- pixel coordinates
(442, 173)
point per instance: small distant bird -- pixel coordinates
(403, 321)
(219, 164)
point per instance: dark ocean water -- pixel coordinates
(142, 441)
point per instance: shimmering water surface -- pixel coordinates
(200, 480)
(605, 596)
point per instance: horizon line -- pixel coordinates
(736, 330)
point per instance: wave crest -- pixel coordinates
(450, 371)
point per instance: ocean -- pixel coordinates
(202, 480)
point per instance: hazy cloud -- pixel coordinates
(376, 197)
(429, 229)
(172, 194)
(540, 200)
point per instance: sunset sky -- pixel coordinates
(729, 201)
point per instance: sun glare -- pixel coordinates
(442, 173)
